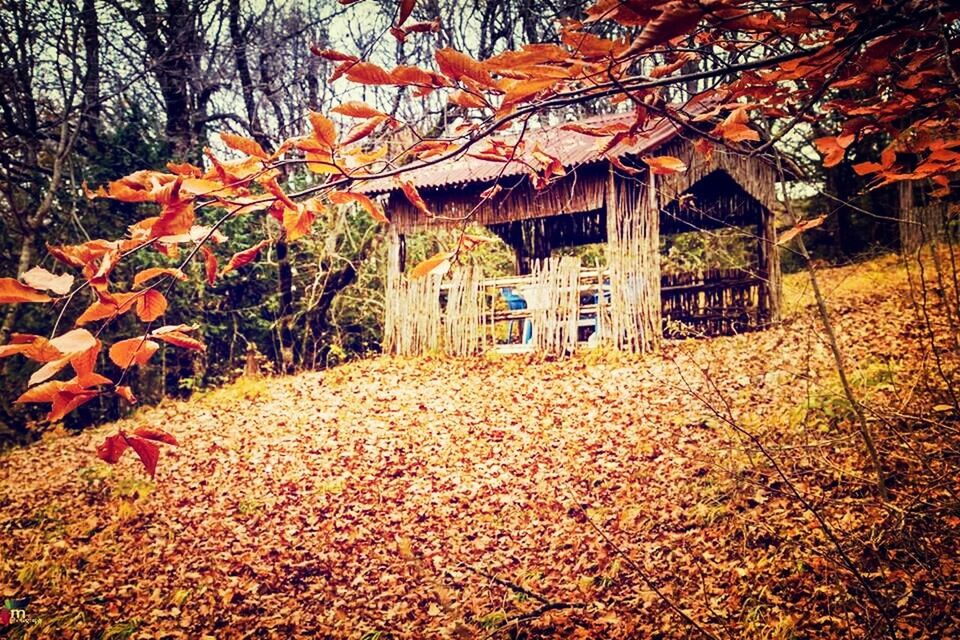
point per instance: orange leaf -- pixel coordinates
(414, 197)
(243, 145)
(832, 148)
(153, 272)
(357, 109)
(41, 393)
(74, 341)
(438, 263)
(362, 130)
(863, 168)
(368, 73)
(126, 393)
(297, 222)
(490, 192)
(410, 75)
(523, 90)
(676, 18)
(800, 227)
(322, 163)
(151, 305)
(665, 165)
(332, 55)
(323, 129)
(35, 348)
(209, 263)
(344, 197)
(176, 218)
(107, 306)
(596, 132)
(281, 195)
(244, 257)
(185, 169)
(738, 132)
(41, 279)
(131, 351)
(430, 26)
(67, 400)
(456, 65)
(469, 242)
(48, 370)
(618, 163)
(84, 364)
(14, 292)
(466, 99)
(177, 335)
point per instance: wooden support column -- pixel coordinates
(633, 256)
(768, 261)
(395, 259)
(521, 257)
(530, 243)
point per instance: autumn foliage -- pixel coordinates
(761, 69)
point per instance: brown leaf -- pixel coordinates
(148, 453)
(112, 448)
(413, 196)
(152, 433)
(406, 8)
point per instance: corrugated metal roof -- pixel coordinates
(572, 148)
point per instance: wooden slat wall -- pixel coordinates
(582, 190)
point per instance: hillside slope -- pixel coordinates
(433, 498)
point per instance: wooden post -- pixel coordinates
(530, 244)
(768, 254)
(633, 256)
(395, 259)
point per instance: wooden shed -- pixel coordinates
(595, 202)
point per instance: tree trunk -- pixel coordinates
(90, 107)
(239, 41)
(285, 290)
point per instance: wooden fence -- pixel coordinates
(714, 302)
(565, 306)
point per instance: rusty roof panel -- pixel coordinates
(572, 148)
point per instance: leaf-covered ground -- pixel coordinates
(505, 497)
